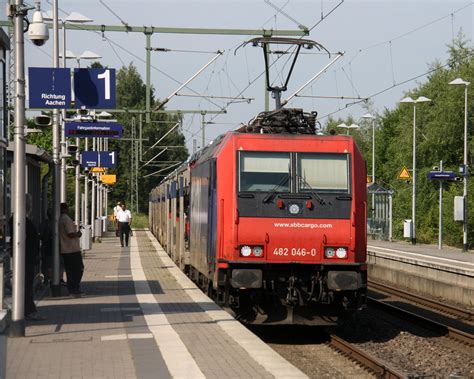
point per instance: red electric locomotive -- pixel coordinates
(270, 219)
(277, 221)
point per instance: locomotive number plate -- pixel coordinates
(294, 252)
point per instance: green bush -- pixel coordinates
(140, 221)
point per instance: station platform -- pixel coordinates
(140, 317)
(446, 273)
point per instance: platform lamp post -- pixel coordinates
(461, 82)
(85, 55)
(38, 32)
(420, 99)
(347, 127)
(368, 116)
(72, 18)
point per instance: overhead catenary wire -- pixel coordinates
(163, 169)
(116, 54)
(166, 50)
(156, 156)
(162, 138)
(389, 42)
(112, 42)
(166, 99)
(282, 12)
(247, 99)
(385, 90)
(114, 13)
(409, 32)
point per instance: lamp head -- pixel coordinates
(422, 99)
(407, 99)
(368, 116)
(459, 81)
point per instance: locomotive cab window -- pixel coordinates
(264, 171)
(323, 172)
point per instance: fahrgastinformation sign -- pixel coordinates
(93, 129)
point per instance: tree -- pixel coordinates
(440, 127)
(131, 94)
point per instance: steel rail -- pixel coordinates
(464, 314)
(381, 369)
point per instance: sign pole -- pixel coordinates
(77, 187)
(55, 288)
(17, 328)
(86, 189)
(93, 198)
(440, 237)
(63, 135)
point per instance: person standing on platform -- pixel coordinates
(70, 249)
(117, 209)
(124, 218)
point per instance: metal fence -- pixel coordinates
(379, 214)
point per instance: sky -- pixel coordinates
(384, 42)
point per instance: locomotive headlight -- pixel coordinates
(258, 251)
(245, 251)
(341, 252)
(329, 252)
(294, 209)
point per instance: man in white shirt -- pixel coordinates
(117, 209)
(124, 218)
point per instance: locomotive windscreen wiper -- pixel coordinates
(273, 191)
(311, 190)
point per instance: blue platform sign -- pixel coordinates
(49, 87)
(94, 88)
(442, 175)
(89, 159)
(93, 129)
(106, 159)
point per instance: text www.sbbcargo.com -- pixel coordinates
(301, 225)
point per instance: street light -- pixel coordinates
(420, 99)
(461, 82)
(85, 55)
(38, 33)
(368, 116)
(59, 173)
(351, 126)
(72, 18)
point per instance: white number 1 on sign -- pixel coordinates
(106, 76)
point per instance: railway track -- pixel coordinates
(374, 365)
(425, 322)
(460, 313)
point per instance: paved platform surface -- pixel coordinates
(447, 256)
(140, 318)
